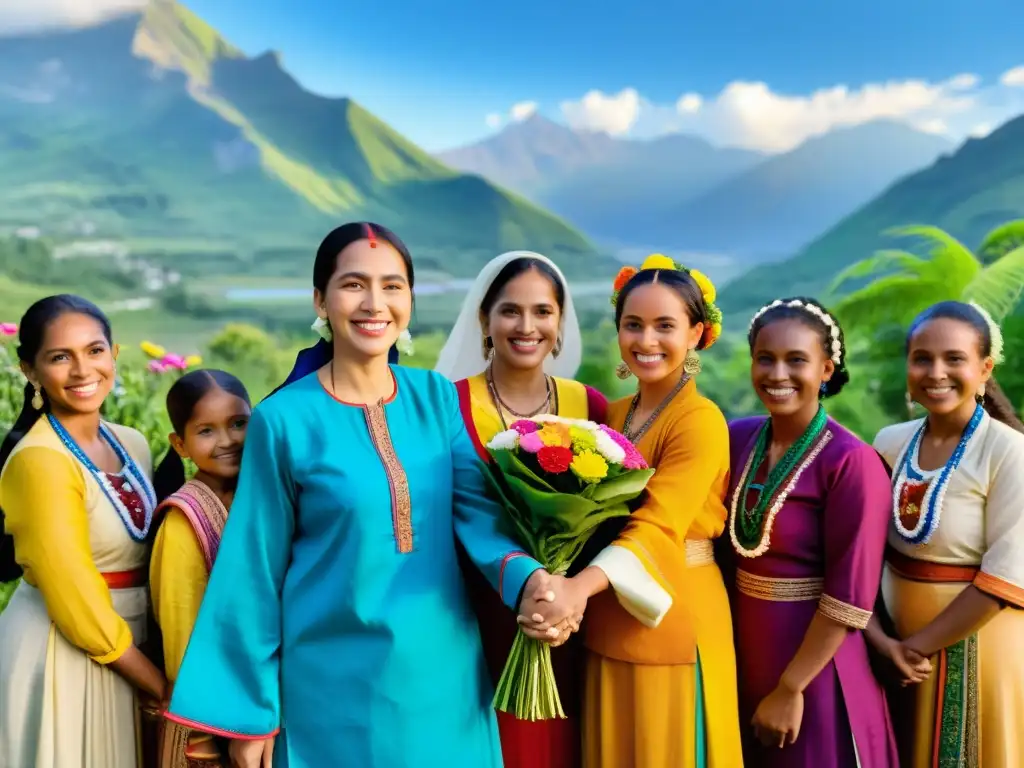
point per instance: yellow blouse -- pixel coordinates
(177, 580)
(67, 534)
(688, 445)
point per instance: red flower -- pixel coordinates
(554, 459)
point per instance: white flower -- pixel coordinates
(504, 441)
(322, 328)
(609, 449)
(404, 343)
(994, 331)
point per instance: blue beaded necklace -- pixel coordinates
(136, 480)
(931, 505)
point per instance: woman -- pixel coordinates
(519, 314)
(209, 412)
(954, 577)
(335, 610)
(807, 521)
(78, 505)
(660, 684)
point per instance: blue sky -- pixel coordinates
(436, 70)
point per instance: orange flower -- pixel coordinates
(555, 435)
(712, 331)
(624, 276)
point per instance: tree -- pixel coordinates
(903, 283)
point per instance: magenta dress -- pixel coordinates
(825, 551)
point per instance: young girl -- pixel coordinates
(809, 506)
(209, 411)
(954, 578)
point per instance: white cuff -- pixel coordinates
(642, 597)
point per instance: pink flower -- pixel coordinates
(174, 361)
(156, 366)
(633, 458)
(524, 426)
(531, 443)
(8, 329)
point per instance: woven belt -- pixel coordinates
(699, 552)
(126, 579)
(778, 590)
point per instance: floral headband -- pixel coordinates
(835, 345)
(994, 332)
(713, 328)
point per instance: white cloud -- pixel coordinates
(1013, 77)
(18, 16)
(597, 111)
(523, 110)
(750, 114)
(689, 103)
(980, 131)
(493, 120)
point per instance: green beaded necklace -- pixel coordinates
(751, 521)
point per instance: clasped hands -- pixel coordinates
(551, 607)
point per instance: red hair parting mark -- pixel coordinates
(371, 235)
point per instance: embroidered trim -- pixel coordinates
(844, 613)
(401, 501)
(778, 590)
(206, 514)
(956, 742)
(130, 471)
(931, 505)
(780, 500)
(699, 552)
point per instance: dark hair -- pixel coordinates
(182, 398)
(994, 401)
(31, 332)
(798, 308)
(680, 282)
(317, 356)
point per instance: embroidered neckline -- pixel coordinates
(777, 502)
(908, 472)
(134, 479)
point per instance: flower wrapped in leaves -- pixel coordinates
(558, 481)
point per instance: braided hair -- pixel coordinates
(815, 316)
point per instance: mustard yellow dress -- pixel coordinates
(970, 712)
(665, 695)
(525, 744)
(81, 604)
(184, 550)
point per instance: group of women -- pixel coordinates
(335, 585)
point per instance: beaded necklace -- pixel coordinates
(908, 476)
(750, 527)
(551, 398)
(627, 425)
(134, 480)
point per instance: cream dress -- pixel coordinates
(60, 706)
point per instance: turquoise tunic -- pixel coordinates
(336, 609)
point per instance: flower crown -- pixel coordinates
(835, 345)
(713, 327)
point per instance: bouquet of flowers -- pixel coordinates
(558, 480)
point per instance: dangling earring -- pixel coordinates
(557, 349)
(822, 389)
(910, 404)
(981, 393)
(622, 371)
(37, 399)
(691, 364)
(488, 347)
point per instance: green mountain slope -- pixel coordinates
(967, 194)
(154, 129)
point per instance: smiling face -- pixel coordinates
(788, 366)
(524, 322)
(368, 299)
(945, 367)
(215, 433)
(75, 364)
(655, 332)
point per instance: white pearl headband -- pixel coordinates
(995, 334)
(835, 347)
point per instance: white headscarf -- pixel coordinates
(462, 355)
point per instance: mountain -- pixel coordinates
(967, 194)
(777, 206)
(154, 129)
(610, 188)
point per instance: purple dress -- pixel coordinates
(826, 545)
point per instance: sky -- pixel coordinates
(762, 74)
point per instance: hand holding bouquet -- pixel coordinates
(558, 480)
